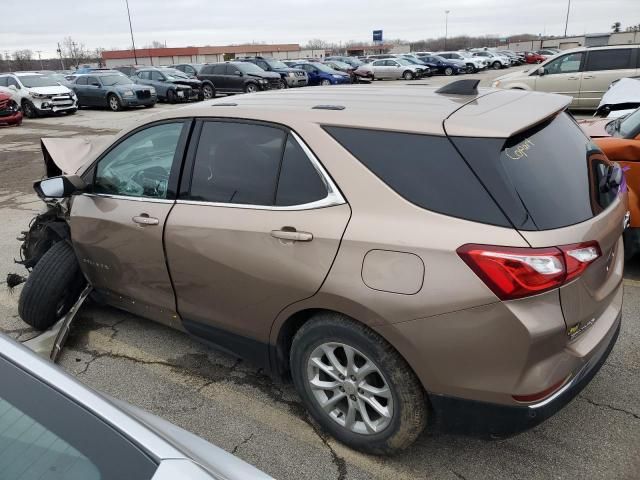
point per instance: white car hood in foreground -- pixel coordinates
(54, 90)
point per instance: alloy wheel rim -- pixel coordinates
(251, 88)
(113, 102)
(208, 92)
(350, 388)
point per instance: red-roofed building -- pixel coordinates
(209, 54)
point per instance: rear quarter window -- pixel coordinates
(425, 170)
(611, 59)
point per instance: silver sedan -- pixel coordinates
(52, 427)
(395, 68)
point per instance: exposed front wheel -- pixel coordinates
(471, 68)
(448, 71)
(114, 103)
(29, 109)
(52, 288)
(325, 82)
(171, 96)
(407, 75)
(251, 88)
(496, 65)
(356, 385)
(208, 91)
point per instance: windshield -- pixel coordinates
(249, 68)
(630, 125)
(277, 64)
(340, 64)
(31, 81)
(172, 72)
(109, 80)
(403, 61)
(323, 68)
(439, 59)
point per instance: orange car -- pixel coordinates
(619, 139)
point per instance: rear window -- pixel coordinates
(541, 177)
(426, 170)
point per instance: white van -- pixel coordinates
(582, 73)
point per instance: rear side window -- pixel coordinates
(81, 81)
(237, 163)
(541, 177)
(614, 59)
(219, 69)
(426, 170)
(299, 181)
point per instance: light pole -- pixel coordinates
(566, 22)
(133, 43)
(40, 58)
(446, 27)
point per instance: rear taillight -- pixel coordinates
(513, 272)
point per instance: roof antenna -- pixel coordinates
(460, 87)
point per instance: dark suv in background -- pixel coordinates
(291, 77)
(236, 77)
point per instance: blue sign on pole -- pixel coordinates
(377, 35)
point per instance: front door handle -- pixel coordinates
(588, 77)
(572, 78)
(145, 219)
(292, 235)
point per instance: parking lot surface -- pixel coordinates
(234, 405)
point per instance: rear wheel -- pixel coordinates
(52, 288)
(407, 75)
(448, 71)
(114, 103)
(356, 385)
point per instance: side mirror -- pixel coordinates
(239, 73)
(542, 71)
(59, 187)
(13, 87)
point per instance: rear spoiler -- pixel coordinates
(68, 155)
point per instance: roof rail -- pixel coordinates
(460, 87)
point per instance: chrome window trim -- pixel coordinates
(333, 198)
(124, 197)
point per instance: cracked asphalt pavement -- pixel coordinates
(236, 406)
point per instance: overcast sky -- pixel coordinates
(39, 24)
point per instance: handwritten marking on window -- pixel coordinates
(520, 150)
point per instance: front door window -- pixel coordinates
(567, 64)
(140, 165)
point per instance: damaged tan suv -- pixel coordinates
(407, 256)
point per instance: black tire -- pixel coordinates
(113, 102)
(283, 84)
(471, 68)
(408, 75)
(250, 88)
(208, 91)
(410, 403)
(151, 105)
(29, 109)
(448, 71)
(72, 111)
(172, 97)
(325, 82)
(52, 288)
(496, 65)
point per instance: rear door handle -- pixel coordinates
(292, 235)
(145, 219)
(588, 77)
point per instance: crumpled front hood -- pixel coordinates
(69, 155)
(53, 90)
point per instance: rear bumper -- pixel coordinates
(483, 419)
